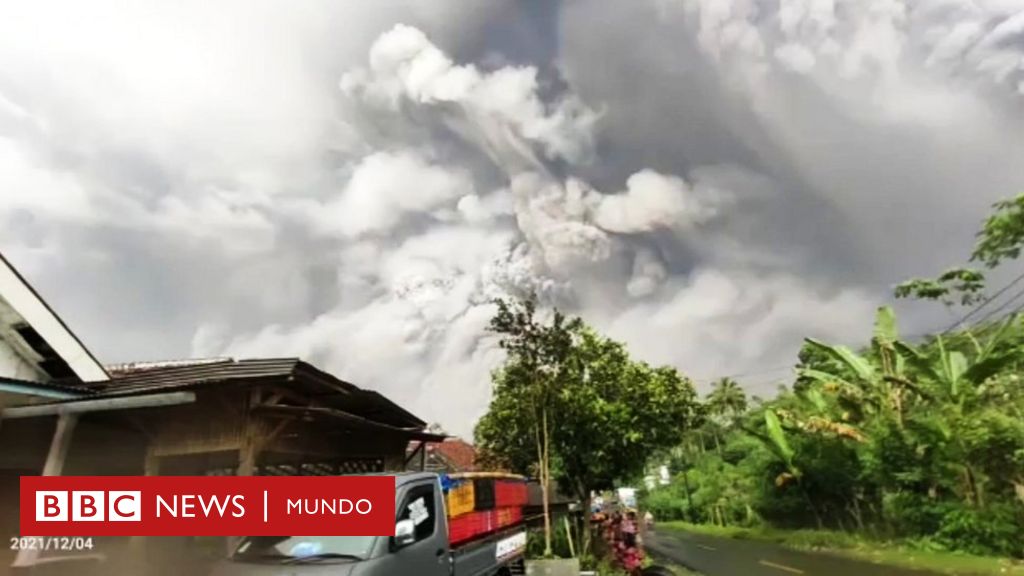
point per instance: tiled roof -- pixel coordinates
(461, 454)
(451, 455)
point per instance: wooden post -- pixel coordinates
(60, 444)
(249, 446)
(150, 467)
(54, 465)
(248, 451)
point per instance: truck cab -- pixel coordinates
(420, 545)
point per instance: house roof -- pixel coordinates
(450, 454)
(458, 452)
(157, 377)
(39, 335)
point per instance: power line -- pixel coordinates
(761, 372)
(1016, 297)
(1009, 314)
(756, 372)
(1003, 306)
(984, 303)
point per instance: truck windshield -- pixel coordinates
(270, 548)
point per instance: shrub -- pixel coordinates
(995, 529)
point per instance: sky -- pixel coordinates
(709, 181)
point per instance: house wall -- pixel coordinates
(214, 422)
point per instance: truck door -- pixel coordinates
(428, 555)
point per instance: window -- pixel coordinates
(419, 507)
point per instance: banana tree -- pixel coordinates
(955, 375)
(775, 439)
(956, 378)
(861, 386)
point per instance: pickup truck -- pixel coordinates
(418, 548)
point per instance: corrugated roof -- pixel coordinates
(131, 367)
(163, 377)
(156, 377)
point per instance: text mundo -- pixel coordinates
(207, 506)
(338, 506)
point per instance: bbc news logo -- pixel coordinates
(206, 506)
(89, 506)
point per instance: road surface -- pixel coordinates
(729, 557)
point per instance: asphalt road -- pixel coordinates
(728, 557)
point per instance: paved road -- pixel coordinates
(728, 557)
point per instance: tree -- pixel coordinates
(526, 389)
(1001, 238)
(727, 398)
(611, 411)
(617, 411)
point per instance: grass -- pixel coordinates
(861, 548)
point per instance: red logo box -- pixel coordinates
(207, 505)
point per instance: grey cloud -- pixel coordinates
(708, 180)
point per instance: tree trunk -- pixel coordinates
(1018, 488)
(974, 496)
(855, 513)
(584, 531)
(689, 499)
(814, 509)
(898, 402)
(546, 482)
(543, 487)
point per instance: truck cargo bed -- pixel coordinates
(484, 556)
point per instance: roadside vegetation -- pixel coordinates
(573, 409)
(859, 547)
(903, 444)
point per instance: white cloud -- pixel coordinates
(651, 201)
(722, 322)
(405, 64)
(710, 182)
(386, 186)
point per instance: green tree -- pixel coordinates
(527, 388)
(611, 411)
(727, 398)
(1001, 238)
(617, 411)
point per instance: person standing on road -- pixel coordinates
(629, 529)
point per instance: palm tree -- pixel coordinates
(727, 398)
(726, 401)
